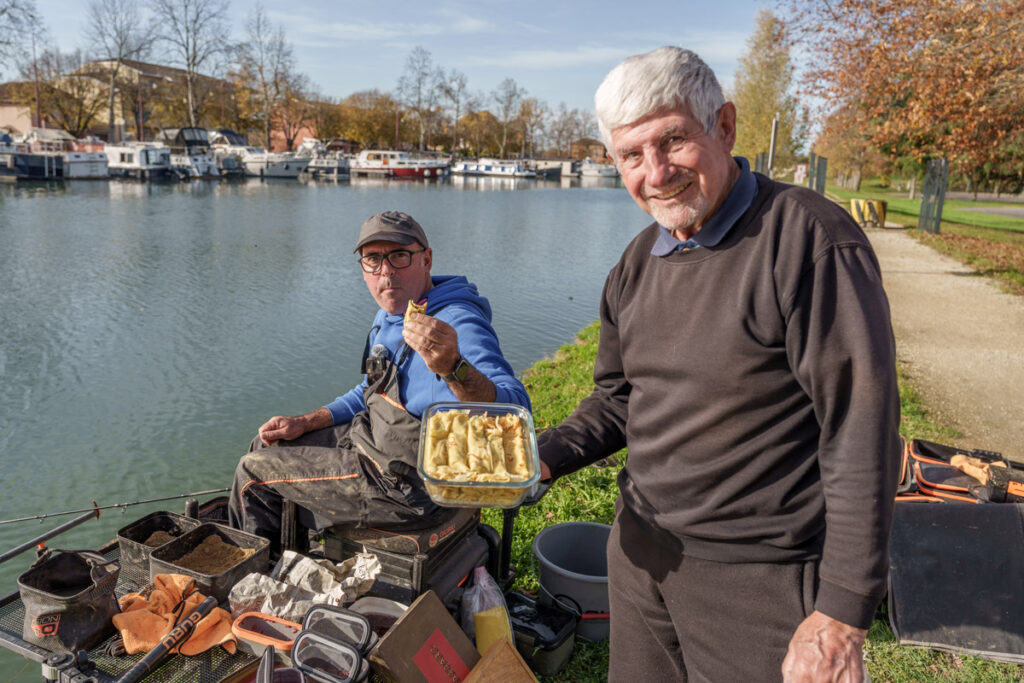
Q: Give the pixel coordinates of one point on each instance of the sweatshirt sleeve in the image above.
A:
(597, 427)
(840, 344)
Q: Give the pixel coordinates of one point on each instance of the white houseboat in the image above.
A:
(493, 167)
(140, 160)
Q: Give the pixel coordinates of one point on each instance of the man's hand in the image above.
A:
(823, 649)
(436, 341)
(283, 427)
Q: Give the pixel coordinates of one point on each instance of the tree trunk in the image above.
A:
(913, 186)
(189, 81)
(110, 109)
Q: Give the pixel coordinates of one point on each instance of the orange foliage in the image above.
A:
(924, 77)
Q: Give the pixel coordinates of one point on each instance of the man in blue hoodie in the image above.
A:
(353, 461)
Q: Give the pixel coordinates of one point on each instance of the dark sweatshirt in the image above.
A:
(754, 383)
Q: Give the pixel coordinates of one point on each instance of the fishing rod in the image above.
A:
(115, 505)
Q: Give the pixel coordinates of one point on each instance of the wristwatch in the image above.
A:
(459, 372)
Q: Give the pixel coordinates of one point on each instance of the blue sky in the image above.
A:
(557, 50)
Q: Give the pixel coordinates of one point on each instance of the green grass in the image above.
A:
(556, 386)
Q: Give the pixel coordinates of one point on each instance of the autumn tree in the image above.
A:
(532, 115)
(66, 90)
(926, 78)
(507, 98)
(481, 131)
(420, 91)
(763, 88)
(454, 90)
(266, 64)
(118, 32)
(368, 117)
(196, 32)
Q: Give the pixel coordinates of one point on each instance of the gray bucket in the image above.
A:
(574, 572)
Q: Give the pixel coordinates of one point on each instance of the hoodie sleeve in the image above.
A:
(478, 344)
(344, 408)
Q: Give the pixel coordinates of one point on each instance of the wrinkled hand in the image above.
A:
(436, 341)
(281, 427)
(823, 649)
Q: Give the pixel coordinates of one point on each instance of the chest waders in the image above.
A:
(362, 473)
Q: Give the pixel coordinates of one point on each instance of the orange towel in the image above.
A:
(143, 622)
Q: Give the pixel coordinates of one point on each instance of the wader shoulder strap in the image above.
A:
(366, 349)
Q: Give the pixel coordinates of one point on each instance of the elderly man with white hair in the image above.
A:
(746, 359)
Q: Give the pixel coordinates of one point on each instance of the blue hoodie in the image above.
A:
(456, 301)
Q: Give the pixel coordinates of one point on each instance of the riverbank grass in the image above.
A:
(556, 385)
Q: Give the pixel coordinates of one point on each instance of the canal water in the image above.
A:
(147, 330)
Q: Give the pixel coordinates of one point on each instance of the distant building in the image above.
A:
(152, 97)
(15, 115)
(588, 147)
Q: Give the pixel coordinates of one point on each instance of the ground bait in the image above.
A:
(158, 538)
(214, 556)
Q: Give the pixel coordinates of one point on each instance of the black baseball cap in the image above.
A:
(391, 226)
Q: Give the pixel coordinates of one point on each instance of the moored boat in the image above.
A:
(190, 151)
(493, 167)
(322, 163)
(589, 167)
(140, 160)
(395, 164)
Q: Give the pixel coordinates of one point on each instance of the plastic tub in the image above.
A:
(381, 612)
(167, 559)
(132, 538)
(449, 487)
(574, 572)
(255, 631)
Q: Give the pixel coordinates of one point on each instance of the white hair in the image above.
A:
(666, 78)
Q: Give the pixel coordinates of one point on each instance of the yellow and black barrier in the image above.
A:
(868, 212)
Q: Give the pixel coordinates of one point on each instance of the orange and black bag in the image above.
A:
(994, 480)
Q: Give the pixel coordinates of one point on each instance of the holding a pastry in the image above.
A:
(353, 461)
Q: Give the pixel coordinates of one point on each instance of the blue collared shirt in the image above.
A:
(714, 231)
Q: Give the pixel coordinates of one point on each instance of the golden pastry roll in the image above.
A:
(458, 448)
(479, 456)
(495, 449)
(414, 307)
(512, 440)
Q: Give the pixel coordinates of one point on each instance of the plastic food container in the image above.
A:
(218, 581)
(381, 612)
(255, 631)
(132, 537)
(451, 488)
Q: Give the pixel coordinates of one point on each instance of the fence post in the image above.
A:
(819, 174)
(933, 194)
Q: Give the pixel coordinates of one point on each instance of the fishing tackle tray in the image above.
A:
(209, 667)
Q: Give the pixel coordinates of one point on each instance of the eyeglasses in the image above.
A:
(399, 258)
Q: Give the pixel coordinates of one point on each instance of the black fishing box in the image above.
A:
(165, 559)
(545, 634)
(438, 558)
(132, 537)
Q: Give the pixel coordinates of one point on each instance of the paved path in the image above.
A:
(961, 339)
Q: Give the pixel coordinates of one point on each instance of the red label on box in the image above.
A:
(438, 661)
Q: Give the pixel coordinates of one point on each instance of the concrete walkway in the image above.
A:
(961, 340)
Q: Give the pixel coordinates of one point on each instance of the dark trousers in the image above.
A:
(327, 478)
(680, 618)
